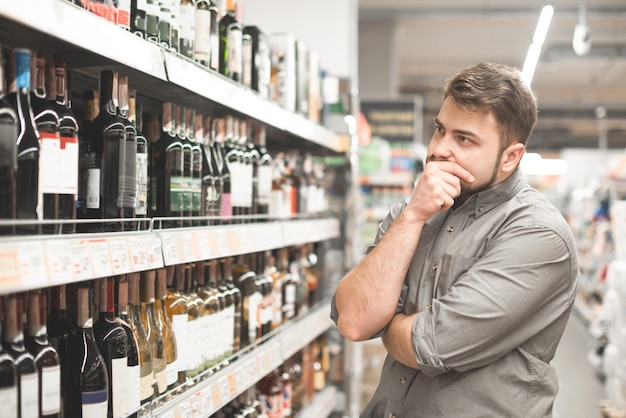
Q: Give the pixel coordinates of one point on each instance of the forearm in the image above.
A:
(398, 340)
(366, 298)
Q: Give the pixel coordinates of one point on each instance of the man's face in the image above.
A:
(470, 139)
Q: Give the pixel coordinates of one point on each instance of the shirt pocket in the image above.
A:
(451, 268)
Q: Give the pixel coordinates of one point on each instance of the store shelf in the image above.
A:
(322, 405)
(32, 262)
(86, 40)
(210, 395)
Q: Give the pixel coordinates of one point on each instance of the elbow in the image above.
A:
(350, 331)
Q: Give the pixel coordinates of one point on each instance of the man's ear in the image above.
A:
(511, 157)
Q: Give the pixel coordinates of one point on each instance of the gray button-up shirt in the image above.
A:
(494, 282)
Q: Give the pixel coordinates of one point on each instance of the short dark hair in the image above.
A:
(497, 88)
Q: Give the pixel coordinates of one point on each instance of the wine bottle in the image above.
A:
(59, 96)
(231, 55)
(196, 317)
(128, 181)
(264, 172)
(165, 23)
(47, 121)
(138, 17)
(224, 177)
(8, 379)
(244, 278)
(237, 298)
(206, 37)
(8, 155)
(207, 185)
(231, 322)
(277, 289)
(13, 341)
(271, 393)
(153, 19)
(212, 181)
(176, 308)
(215, 303)
(167, 171)
(46, 357)
(133, 384)
(196, 165)
(186, 181)
(153, 331)
(261, 66)
(27, 142)
(147, 384)
(187, 28)
(175, 25)
(289, 285)
(88, 381)
(208, 300)
(90, 111)
(233, 157)
(254, 157)
(135, 117)
(113, 343)
(165, 327)
(107, 146)
(59, 330)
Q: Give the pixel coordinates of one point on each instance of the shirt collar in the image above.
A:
(486, 200)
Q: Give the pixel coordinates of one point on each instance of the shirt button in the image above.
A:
(481, 208)
(434, 268)
(392, 415)
(403, 380)
(449, 229)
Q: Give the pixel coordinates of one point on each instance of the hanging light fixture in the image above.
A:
(534, 51)
(581, 41)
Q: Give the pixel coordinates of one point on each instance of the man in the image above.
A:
(471, 280)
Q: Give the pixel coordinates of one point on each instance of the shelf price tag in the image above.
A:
(204, 247)
(207, 401)
(185, 410)
(170, 249)
(59, 260)
(81, 261)
(119, 256)
(155, 252)
(216, 395)
(222, 243)
(32, 267)
(139, 253)
(197, 405)
(100, 257)
(224, 387)
(188, 247)
(9, 264)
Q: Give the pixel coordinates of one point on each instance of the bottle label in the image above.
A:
(93, 188)
(161, 380)
(127, 186)
(51, 390)
(229, 325)
(202, 40)
(254, 315)
(172, 373)
(133, 396)
(22, 68)
(68, 166)
(49, 163)
(177, 193)
(287, 394)
(274, 405)
(95, 404)
(142, 4)
(196, 194)
(29, 395)
(145, 383)
(8, 400)
(179, 324)
(142, 183)
(123, 13)
(187, 21)
(227, 207)
(119, 380)
(246, 79)
(235, 55)
(265, 184)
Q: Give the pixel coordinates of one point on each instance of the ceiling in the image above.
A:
(433, 39)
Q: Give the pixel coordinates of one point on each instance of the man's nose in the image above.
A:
(442, 148)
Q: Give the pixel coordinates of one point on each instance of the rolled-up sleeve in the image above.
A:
(523, 282)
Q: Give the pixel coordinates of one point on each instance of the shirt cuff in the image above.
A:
(423, 336)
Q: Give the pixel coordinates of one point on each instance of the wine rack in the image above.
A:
(88, 44)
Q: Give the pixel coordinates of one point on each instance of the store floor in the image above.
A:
(580, 389)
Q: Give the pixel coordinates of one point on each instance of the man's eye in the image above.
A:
(438, 128)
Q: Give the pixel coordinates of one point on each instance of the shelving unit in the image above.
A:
(88, 44)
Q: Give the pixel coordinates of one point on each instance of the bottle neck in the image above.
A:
(122, 298)
(58, 306)
(148, 279)
(106, 299)
(21, 59)
(60, 76)
(39, 75)
(83, 317)
(37, 315)
(13, 321)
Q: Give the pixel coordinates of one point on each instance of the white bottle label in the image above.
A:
(119, 380)
(8, 400)
(187, 21)
(133, 397)
(29, 395)
(145, 384)
(95, 404)
(68, 168)
(179, 324)
(142, 183)
(51, 390)
(93, 188)
(202, 40)
(49, 156)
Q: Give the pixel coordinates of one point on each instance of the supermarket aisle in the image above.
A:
(580, 390)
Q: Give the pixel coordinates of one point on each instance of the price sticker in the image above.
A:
(185, 410)
(139, 253)
(81, 261)
(222, 243)
(59, 260)
(232, 385)
(9, 264)
(207, 401)
(204, 249)
(216, 395)
(31, 263)
(100, 257)
(155, 252)
(197, 406)
(188, 244)
(170, 249)
(224, 387)
(120, 259)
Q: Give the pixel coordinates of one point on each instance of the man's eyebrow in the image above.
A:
(458, 131)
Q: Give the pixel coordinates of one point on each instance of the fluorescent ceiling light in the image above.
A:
(534, 51)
